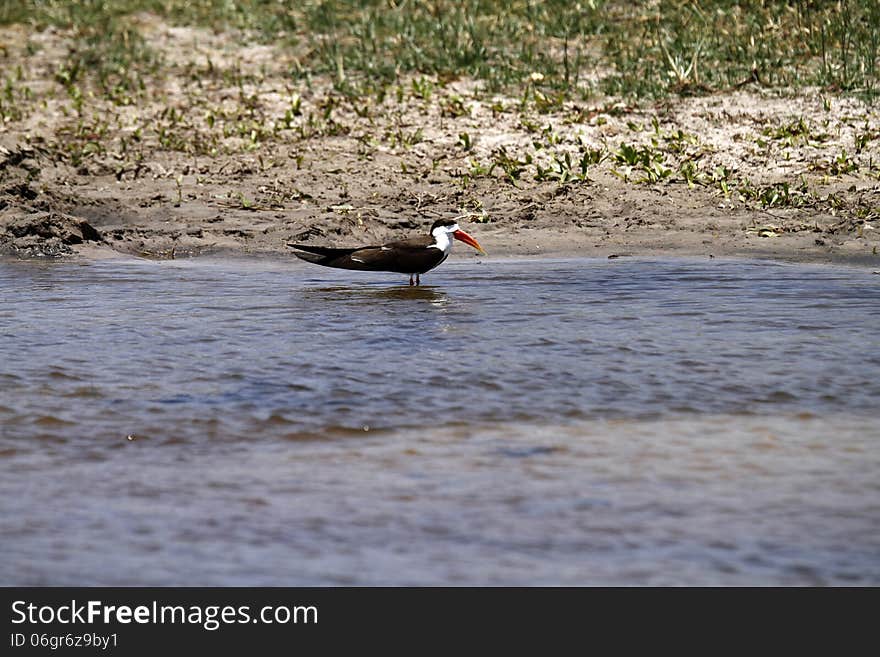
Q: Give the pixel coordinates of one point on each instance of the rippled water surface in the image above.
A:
(512, 422)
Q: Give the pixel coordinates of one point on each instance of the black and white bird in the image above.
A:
(413, 256)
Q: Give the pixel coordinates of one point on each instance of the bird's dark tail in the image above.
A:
(326, 255)
(320, 255)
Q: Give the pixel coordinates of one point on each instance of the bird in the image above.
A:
(413, 256)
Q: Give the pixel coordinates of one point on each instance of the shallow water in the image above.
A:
(621, 421)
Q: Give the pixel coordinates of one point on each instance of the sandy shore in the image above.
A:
(748, 171)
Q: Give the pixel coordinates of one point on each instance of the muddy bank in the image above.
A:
(239, 158)
(82, 215)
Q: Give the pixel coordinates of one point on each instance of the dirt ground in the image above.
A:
(230, 153)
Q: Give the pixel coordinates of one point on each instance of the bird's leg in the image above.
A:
(411, 280)
(418, 280)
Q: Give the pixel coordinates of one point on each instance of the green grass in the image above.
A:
(643, 50)
(693, 47)
(106, 47)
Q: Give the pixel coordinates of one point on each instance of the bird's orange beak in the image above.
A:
(470, 241)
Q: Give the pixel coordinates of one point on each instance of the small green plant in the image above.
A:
(511, 166)
(591, 155)
(863, 139)
(842, 164)
(721, 177)
(789, 133)
(648, 160)
(244, 202)
(14, 100)
(565, 169)
(478, 170)
(655, 172)
(422, 88)
(627, 154)
(679, 142)
(547, 103)
(691, 174)
(777, 195)
(682, 68)
(398, 136)
(453, 107)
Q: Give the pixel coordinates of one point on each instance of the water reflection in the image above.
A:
(435, 296)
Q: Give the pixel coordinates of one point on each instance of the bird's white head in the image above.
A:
(443, 228)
